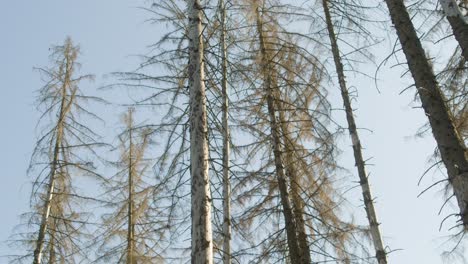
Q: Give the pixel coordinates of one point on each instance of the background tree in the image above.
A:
(226, 137)
(61, 155)
(135, 226)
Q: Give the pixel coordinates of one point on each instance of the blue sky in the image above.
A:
(111, 31)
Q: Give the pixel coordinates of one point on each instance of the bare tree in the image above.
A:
(60, 157)
(226, 139)
(202, 244)
(186, 93)
(133, 229)
(290, 223)
(357, 148)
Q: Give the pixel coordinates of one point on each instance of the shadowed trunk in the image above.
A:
(451, 147)
(290, 224)
(458, 22)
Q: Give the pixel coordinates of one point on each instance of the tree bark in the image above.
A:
(290, 224)
(202, 244)
(381, 255)
(52, 255)
(458, 22)
(226, 145)
(131, 223)
(451, 147)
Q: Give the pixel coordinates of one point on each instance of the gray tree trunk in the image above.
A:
(52, 255)
(202, 243)
(381, 255)
(451, 147)
(226, 145)
(131, 224)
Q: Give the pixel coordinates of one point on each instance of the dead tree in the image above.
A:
(357, 148)
(61, 156)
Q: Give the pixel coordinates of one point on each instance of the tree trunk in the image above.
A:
(290, 224)
(54, 165)
(458, 22)
(131, 223)
(381, 255)
(52, 255)
(202, 244)
(298, 203)
(451, 147)
(226, 146)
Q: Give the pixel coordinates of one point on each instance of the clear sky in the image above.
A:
(110, 31)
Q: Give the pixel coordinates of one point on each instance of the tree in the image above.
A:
(357, 148)
(202, 244)
(187, 91)
(133, 229)
(451, 146)
(226, 140)
(60, 157)
(266, 68)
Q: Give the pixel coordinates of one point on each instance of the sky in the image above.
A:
(111, 31)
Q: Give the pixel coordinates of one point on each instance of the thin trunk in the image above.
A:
(226, 146)
(298, 203)
(50, 191)
(131, 224)
(290, 224)
(381, 255)
(451, 147)
(202, 244)
(458, 22)
(52, 255)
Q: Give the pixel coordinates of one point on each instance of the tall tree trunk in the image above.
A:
(131, 222)
(226, 146)
(381, 255)
(202, 244)
(298, 203)
(54, 165)
(451, 147)
(458, 22)
(290, 224)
